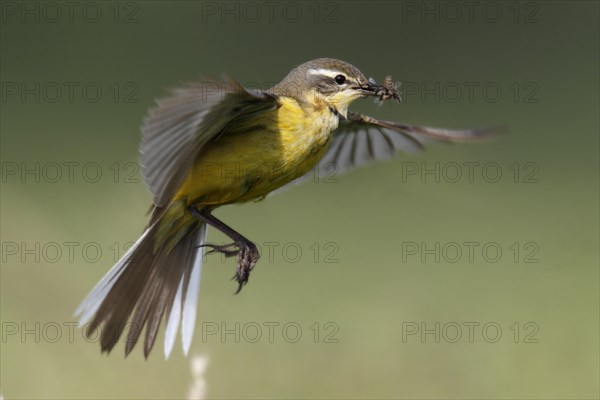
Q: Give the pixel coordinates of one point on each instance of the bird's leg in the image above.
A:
(246, 251)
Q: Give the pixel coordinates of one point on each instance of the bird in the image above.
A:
(213, 143)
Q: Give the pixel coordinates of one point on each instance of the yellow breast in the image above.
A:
(252, 160)
(305, 132)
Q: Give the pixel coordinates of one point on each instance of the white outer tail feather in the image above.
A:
(188, 322)
(88, 307)
(173, 322)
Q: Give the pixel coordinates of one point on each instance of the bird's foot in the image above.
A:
(247, 256)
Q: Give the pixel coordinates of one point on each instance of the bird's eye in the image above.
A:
(340, 79)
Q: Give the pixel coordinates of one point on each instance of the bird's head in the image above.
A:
(327, 81)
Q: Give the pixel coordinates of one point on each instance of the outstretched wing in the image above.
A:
(361, 139)
(175, 131)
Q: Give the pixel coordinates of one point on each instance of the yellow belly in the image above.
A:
(250, 161)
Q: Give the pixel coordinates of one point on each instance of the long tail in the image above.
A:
(158, 277)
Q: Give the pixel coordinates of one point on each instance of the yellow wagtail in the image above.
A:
(191, 143)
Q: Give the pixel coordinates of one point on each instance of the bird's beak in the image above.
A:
(370, 88)
(384, 92)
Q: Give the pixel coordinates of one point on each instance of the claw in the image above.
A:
(247, 254)
(247, 257)
(242, 280)
(239, 289)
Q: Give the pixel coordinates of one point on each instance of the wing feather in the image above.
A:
(360, 140)
(174, 132)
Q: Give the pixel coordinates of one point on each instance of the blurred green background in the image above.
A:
(532, 66)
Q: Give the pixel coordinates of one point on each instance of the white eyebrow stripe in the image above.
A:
(330, 73)
(326, 72)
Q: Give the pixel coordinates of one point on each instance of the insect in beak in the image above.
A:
(388, 90)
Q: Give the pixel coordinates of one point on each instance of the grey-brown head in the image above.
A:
(334, 82)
